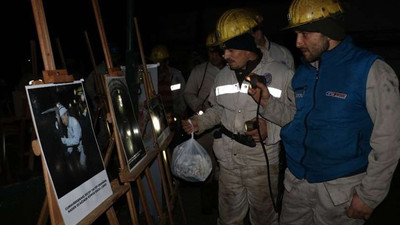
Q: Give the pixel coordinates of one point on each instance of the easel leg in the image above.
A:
(44, 212)
(144, 201)
(153, 191)
(112, 216)
(165, 189)
(132, 209)
(167, 158)
(109, 149)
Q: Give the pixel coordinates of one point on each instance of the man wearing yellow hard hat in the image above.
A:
(248, 156)
(171, 84)
(342, 138)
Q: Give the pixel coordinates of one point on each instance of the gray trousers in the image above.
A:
(243, 190)
(206, 140)
(318, 203)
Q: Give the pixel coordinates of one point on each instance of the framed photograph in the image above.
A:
(63, 126)
(159, 119)
(124, 115)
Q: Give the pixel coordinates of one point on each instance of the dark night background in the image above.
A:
(181, 26)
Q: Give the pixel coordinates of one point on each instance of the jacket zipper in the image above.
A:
(306, 117)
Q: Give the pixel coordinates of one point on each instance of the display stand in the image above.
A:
(170, 186)
(51, 75)
(143, 166)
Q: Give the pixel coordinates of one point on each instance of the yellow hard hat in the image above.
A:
(306, 11)
(159, 53)
(233, 23)
(255, 14)
(211, 40)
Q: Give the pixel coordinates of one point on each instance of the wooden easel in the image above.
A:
(143, 167)
(52, 75)
(100, 80)
(170, 186)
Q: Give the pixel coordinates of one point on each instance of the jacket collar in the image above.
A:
(338, 52)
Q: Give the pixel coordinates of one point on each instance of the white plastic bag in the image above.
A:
(190, 161)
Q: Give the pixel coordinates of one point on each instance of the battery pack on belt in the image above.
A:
(241, 138)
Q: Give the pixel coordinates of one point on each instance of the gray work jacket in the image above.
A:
(233, 106)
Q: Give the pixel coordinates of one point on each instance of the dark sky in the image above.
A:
(182, 26)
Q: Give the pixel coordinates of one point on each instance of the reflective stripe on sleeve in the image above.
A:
(275, 92)
(175, 87)
(245, 88)
(234, 88)
(227, 89)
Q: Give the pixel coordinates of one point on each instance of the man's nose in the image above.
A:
(299, 41)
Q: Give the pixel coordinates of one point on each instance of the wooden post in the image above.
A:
(99, 21)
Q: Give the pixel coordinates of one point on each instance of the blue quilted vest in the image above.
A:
(329, 135)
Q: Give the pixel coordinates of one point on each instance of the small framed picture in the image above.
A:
(124, 116)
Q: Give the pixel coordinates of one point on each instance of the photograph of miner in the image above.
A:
(65, 133)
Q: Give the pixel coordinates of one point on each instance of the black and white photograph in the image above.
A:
(65, 133)
(128, 126)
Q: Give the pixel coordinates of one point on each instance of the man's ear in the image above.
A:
(332, 43)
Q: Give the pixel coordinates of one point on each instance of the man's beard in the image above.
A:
(316, 54)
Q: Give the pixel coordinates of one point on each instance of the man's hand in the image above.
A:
(256, 92)
(190, 128)
(263, 130)
(358, 209)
